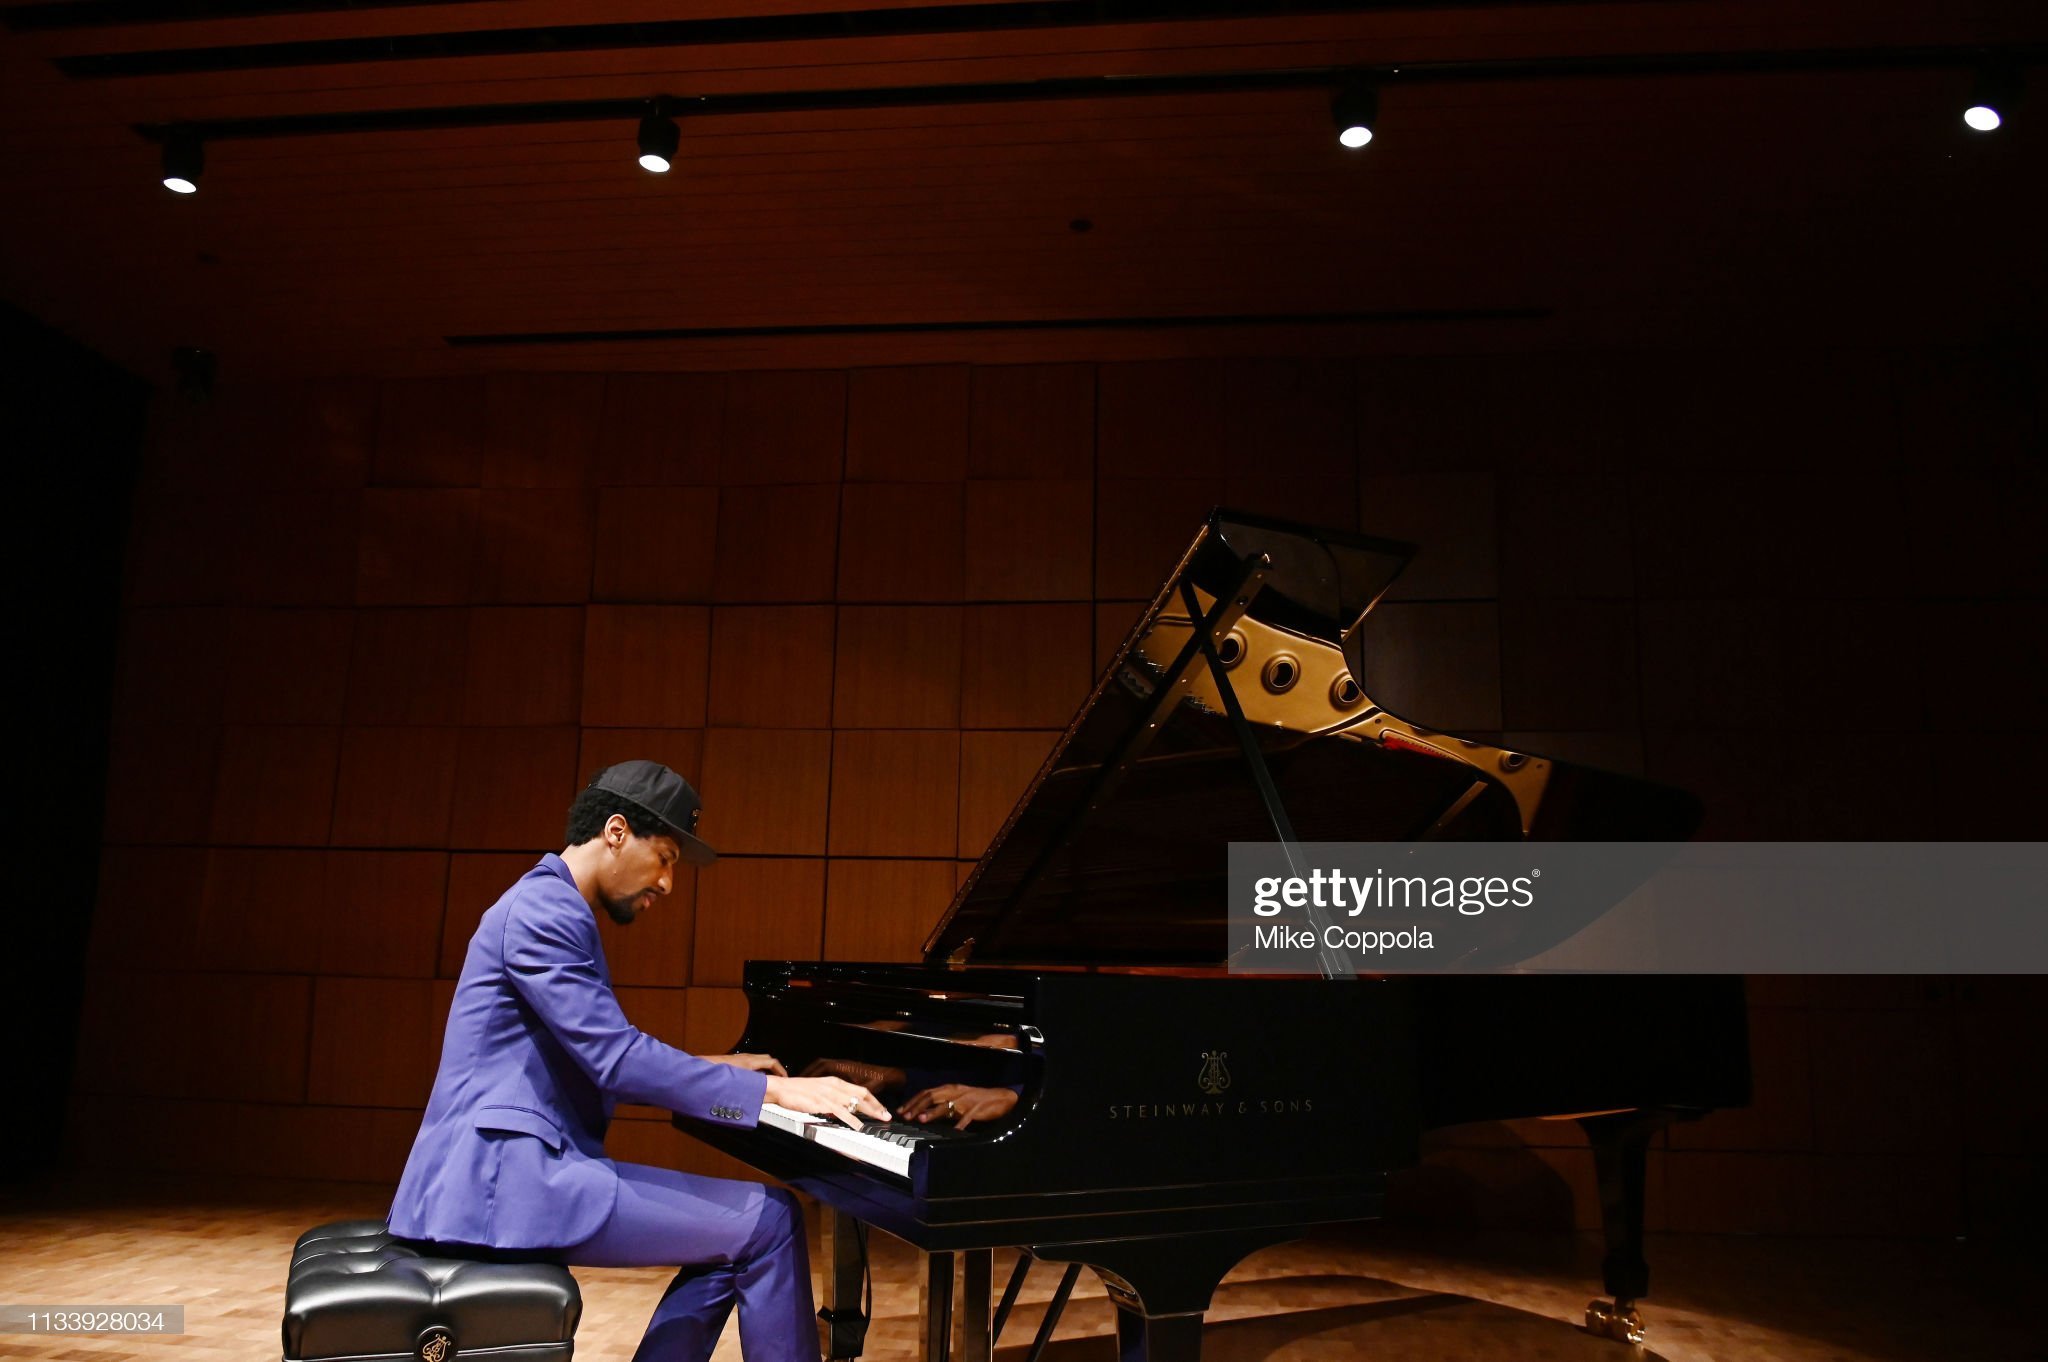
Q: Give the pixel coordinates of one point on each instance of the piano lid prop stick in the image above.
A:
(1333, 964)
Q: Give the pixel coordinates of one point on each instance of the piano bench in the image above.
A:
(355, 1293)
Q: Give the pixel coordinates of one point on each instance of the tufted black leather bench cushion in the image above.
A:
(356, 1293)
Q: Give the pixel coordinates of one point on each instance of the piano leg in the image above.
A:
(935, 1308)
(1621, 1145)
(976, 1337)
(1162, 1287)
(842, 1323)
(1148, 1338)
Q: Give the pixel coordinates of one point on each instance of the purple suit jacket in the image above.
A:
(511, 1150)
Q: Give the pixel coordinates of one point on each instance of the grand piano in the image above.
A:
(1171, 1117)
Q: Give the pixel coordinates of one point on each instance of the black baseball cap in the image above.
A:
(664, 794)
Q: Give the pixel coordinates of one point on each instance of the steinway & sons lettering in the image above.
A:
(1250, 1106)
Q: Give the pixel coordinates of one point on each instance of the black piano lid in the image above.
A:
(1142, 879)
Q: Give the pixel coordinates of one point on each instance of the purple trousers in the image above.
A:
(735, 1241)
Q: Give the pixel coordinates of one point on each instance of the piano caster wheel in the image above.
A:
(1607, 1319)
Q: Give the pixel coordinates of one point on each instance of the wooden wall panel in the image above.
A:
(330, 436)
(533, 547)
(525, 666)
(514, 786)
(475, 882)
(182, 550)
(1569, 665)
(777, 543)
(771, 666)
(540, 430)
(172, 666)
(894, 792)
(1956, 529)
(1032, 421)
(679, 749)
(295, 548)
(1995, 1041)
(396, 788)
(1290, 417)
(644, 666)
(1713, 664)
(715, 1019)
(376, 1042)
(995, 768)
(418, 546)
(244, 1036)
(756, 909)
(661, 1013)
(765, 790)
(408, 667)
(275, 785)
(1780, 1113)
(1562, 536)
(271, 435)
(146, 913)
(287, 666)
(1030, 540)
(654, 949)
(123, 1046)
(897, 667)
(907, 424)
(1025, 666)
(784, 427)
(656, 544)
(1161, 419)
(1310, 501)
(1696, 536)
(1836, 519)
(260, 910)
(1143, 526)
(239, 1036)
(1884, 1081)
(430, 432)
(1436, 664)
(883, 910)
(380, 912)
(1501, 413)
(1450, 518)
(1114, 621)
(661, 430)
(160, 782)
(900, 541)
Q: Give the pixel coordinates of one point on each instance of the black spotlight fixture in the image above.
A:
(184, 158)
(1356, 111)
(659, 138)
(1992, 97)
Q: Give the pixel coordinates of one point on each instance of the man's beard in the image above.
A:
(620, 911)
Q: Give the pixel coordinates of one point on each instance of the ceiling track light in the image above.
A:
(1992, 97)
(184, 159)
(659, 138)
(1356, 111)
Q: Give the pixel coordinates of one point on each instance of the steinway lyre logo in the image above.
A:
(1215, 1075)
(436, 1345)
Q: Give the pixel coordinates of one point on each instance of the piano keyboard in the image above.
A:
(840, 1138)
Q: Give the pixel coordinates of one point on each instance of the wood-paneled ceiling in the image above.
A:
(1548, 204)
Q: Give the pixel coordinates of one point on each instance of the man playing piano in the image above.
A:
(509, 1161)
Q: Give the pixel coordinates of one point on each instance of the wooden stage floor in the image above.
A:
(1365, 1293)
